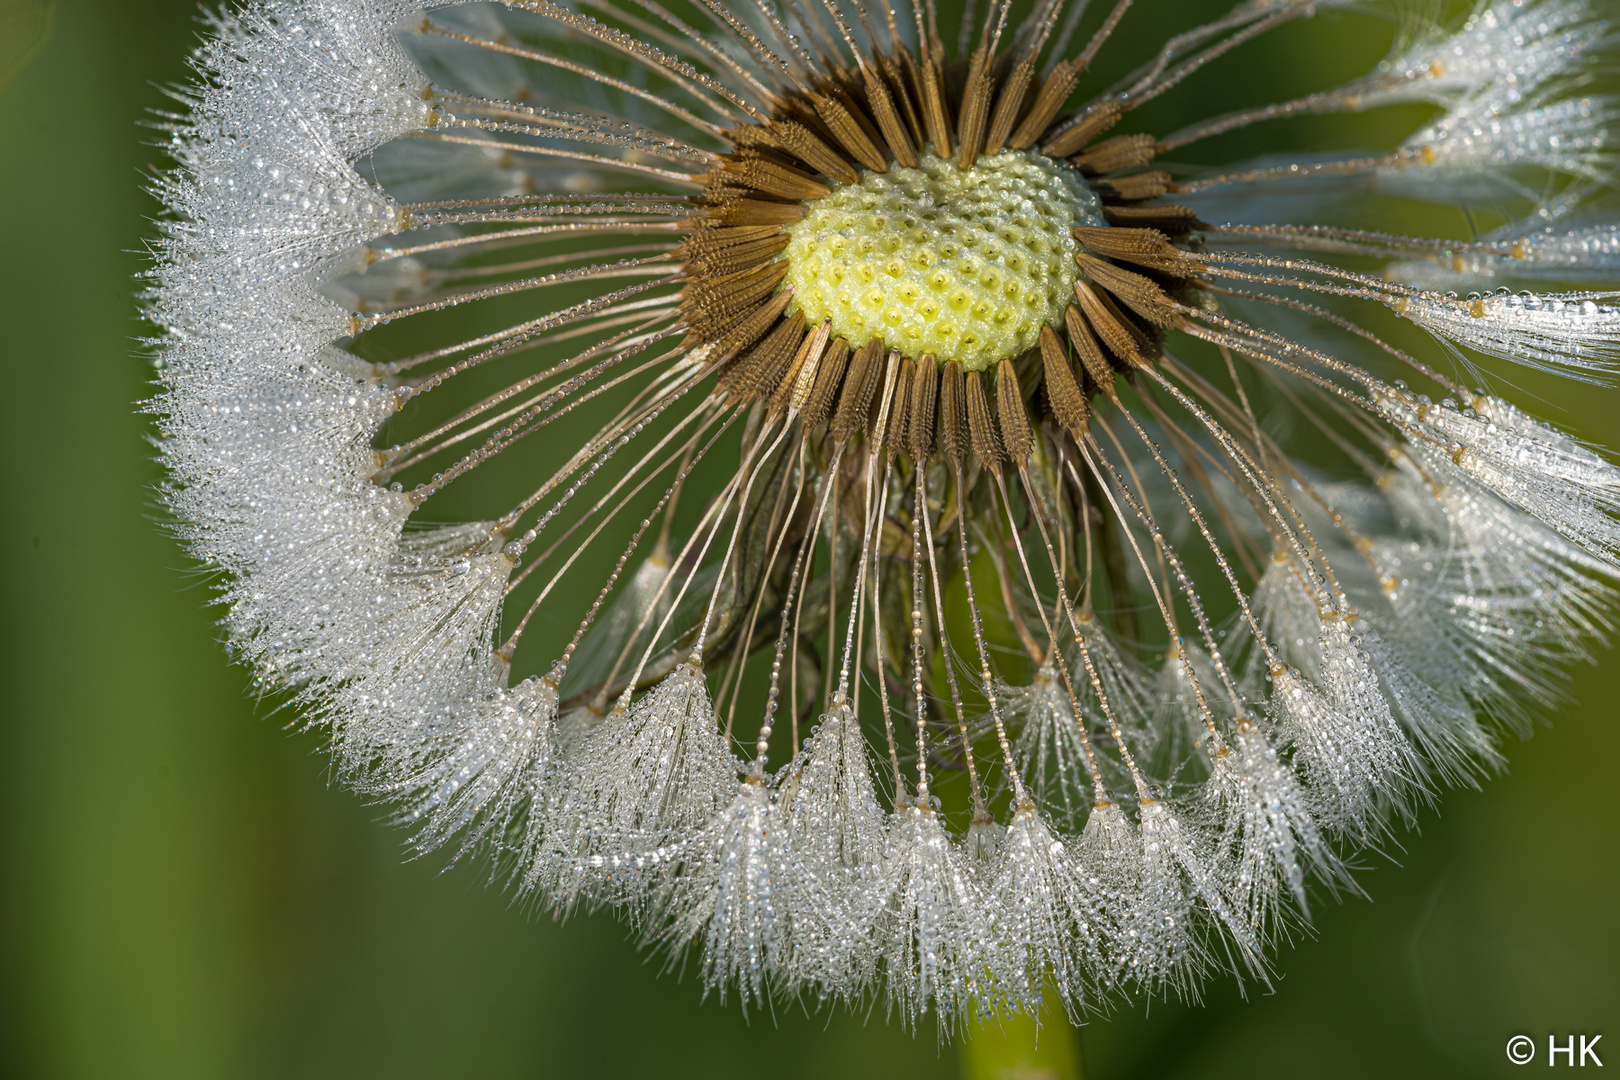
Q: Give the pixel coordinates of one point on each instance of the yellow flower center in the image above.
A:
(966, 264)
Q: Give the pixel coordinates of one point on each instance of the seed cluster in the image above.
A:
(965, 264)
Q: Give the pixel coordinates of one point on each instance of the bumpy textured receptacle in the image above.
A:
(966, 264)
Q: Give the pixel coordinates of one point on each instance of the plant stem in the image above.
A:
(1019, 1048)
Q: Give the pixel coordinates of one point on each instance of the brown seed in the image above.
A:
(894, 435)
(1063, 393)
(975, 110)
(924, 391)
(860, 386)
(1093, 122)
(1010, 104)
(953, 422)
(800, 379)
(757, 212)
(1148, 185)
(1084, 340)
(888, 120)
(713, 305)
(935, 114)
(772, 372)
(745, 378)
(900, 68)
(1113, 326)
(1120, 152)
(1144, 247)
(736, 333)
(721, 237)
(1140, 294)
(722, 288)
(829, 377)
(805, 144)
(1173, 220)
(1015, 429)
(982, 426)
(775, 179)
(1054, 92)
(850, 132)
(702, 255)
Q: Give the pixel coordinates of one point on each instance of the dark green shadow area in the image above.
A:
(184, 896)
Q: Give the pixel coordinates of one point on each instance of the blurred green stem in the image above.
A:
(1016, 1049)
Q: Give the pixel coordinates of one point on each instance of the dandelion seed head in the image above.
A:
(821, 494)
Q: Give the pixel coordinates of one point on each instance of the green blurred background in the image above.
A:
(184, 895)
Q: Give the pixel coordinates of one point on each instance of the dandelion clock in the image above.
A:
(821, 480)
